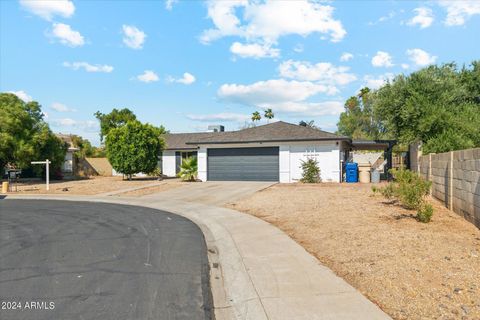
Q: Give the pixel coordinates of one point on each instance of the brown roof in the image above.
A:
(177, 141)
(273, 132)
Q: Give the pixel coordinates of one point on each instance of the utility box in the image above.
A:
(351, 172)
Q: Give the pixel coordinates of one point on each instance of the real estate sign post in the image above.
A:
(47, 173)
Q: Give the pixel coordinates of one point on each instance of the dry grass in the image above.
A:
(91, 186)
(410, 269)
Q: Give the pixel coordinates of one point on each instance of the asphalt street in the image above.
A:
(82, 260)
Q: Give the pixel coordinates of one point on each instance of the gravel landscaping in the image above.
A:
(410, 269)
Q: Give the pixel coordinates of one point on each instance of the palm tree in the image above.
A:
(256, 117)
(269, 114)
(188, 169)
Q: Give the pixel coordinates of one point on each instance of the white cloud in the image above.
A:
(224, 116)
(458, 12)
(22, 95)
(169, 4)
(67, 36)
(346, 56)
(60, 107)
(314, 109)
(133, 37)
(263, 93)
(323, 72)
(268, 21)
(148, 76)
(375, 82)
(47, 9)
(86, 125)
(298, 48)
(405, 66)
(390, 16)
(420, 57)
(88, 67)
(382, 59)
(187, 79)
(423, 18)
(254, 50)
(283, 96)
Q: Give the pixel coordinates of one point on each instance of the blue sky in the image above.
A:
(188, 64)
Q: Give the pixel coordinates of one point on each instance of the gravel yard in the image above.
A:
(93, 185)
(410, 269)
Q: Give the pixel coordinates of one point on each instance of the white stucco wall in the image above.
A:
(168, 163)
(326, 154)
(202, 164)
(290, 155)
(68, 162)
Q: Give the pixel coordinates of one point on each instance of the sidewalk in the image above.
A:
(257, 271)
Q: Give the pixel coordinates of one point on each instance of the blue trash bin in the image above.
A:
(351, 172)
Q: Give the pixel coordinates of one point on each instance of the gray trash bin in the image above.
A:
(375, 176)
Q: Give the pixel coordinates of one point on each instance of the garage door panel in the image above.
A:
(243, 164)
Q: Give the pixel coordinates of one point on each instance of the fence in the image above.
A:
(93, 167)
(455, 180)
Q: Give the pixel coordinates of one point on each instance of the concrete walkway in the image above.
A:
(257, 271)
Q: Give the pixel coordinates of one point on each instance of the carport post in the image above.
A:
(47, 163)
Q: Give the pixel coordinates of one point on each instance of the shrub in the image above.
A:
(155, 172)
(310, 171)
(425, 212)
(188, 169)
(410, 190)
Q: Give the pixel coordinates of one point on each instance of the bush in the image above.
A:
(188, 169)
(425, 212)
(310, 171)
(410, 190)
(155, 173)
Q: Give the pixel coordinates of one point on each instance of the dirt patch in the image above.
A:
(91, 186)
(410, 269)
(150, 190)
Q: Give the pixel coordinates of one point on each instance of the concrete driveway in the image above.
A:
(84, 260)
(211, 193)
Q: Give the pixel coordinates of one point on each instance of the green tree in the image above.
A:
(439, 105)
(256, 117)
(86, 148)
(359, 121)
(25, 136)
(134, 147)
(116, 118)
(269, 114)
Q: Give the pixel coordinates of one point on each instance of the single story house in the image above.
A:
(271, 152)
(68, 163)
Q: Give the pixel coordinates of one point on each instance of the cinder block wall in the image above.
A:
(455, 180)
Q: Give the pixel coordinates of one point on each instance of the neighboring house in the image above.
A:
(271, 152)
(68, 163)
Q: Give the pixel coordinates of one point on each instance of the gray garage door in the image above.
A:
(243, 164)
